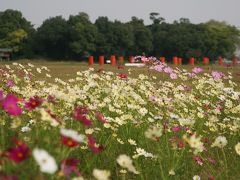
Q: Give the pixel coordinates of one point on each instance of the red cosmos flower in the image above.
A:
(9, 104)
(18, 153)
(93, 146)
(101, 117)
(122, 76)
(80, 115)
(69, 166)
(67, 141)
(33, 102)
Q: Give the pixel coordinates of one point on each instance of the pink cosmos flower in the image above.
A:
(10, 83)
(198, 159)
(217, 75)
(10, 105)
(168, 70)
(33, 102)
(69, 166)
(197, 70)
(101, 117)
(176, 129)
(80, 115)
(93, 146)
(212, 161)
(173, 76)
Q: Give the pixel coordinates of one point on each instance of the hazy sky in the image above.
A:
(196, 10)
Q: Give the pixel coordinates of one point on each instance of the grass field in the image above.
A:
(106, 123)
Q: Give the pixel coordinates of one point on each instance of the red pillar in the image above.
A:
(113, 60)
(206, 61)
(131, 59)
(101, 60)
(180, 61)
(90, 60)
(192, 61)
(220, 61)
(175, 60)
(162, 59)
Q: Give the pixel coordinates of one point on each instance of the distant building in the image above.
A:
(5, 53)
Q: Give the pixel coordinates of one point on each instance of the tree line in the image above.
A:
(77, 37)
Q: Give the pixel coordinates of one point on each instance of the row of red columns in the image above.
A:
(175, 60)
(112, 59)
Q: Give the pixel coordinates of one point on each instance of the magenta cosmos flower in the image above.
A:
(18, 153)
(33, 102)
(93, 145)
(10, 105)
(80, 114)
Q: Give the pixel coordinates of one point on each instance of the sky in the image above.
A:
(36, 11)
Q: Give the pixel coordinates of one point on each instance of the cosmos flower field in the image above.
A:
(105, 125)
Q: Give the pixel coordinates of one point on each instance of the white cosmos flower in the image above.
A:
(46, 162)
(126, 162)
(237, 148)
(196, 177)
(101, 174)
(220, 142)
(73, 134)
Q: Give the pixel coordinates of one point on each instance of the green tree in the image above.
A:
(142, 37)
(15, 32)
(51, 39)
(82, 36)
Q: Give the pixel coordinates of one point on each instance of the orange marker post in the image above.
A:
(90, 60)
(175, 60)
(192, 61)
(113, 60)
(206, 61)
(101, 60)
(220, 61)
(180, 61)
(162, 59)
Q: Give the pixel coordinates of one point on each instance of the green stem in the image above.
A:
(225, 163)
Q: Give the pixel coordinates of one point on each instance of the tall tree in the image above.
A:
(52, 38)
(82, 34)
